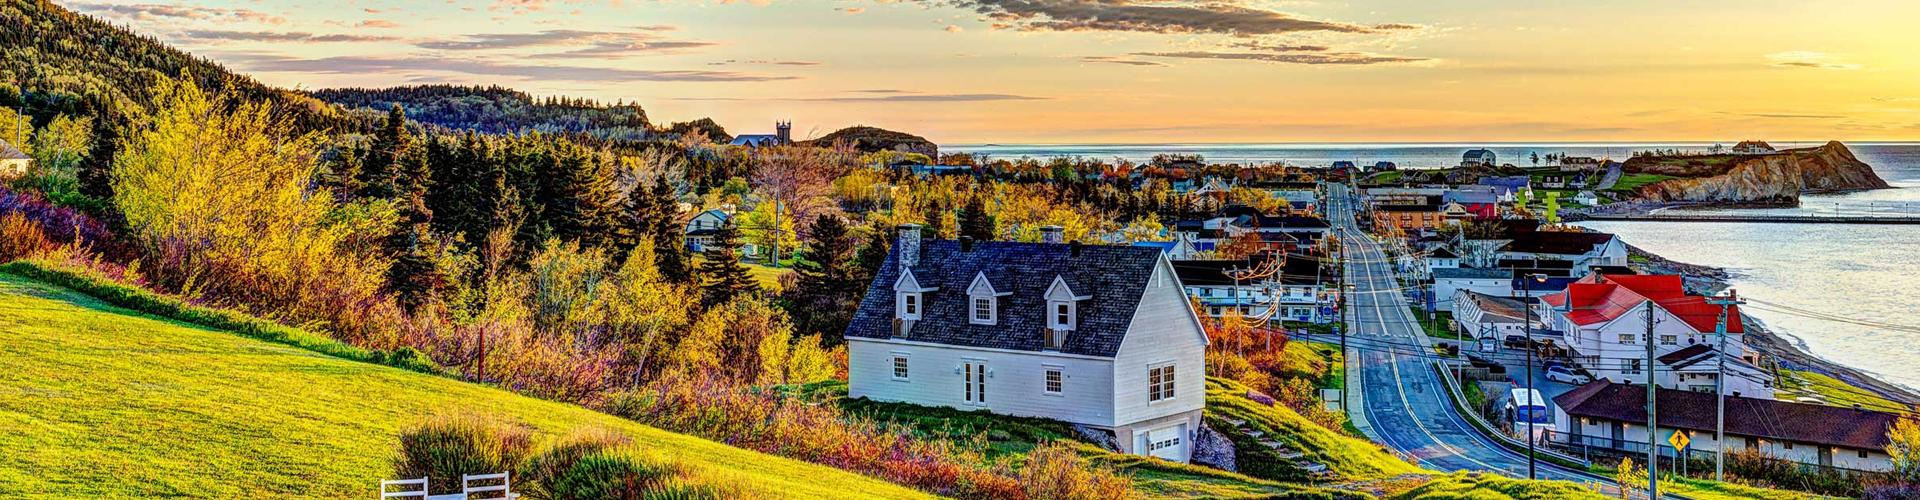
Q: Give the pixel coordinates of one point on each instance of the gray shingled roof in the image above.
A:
(8, 152)
(1114, 276)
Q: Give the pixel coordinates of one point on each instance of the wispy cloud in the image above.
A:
(1120, 60)
(851, 10)
(764, 62)
(1338, 58)
(580, 43)
(279, 36)
(885, 96)
(1280, 47)
(414, 66)
(1231, 17)
(154, 11)
(377, 23)
(1789, 116)
(1806, 59)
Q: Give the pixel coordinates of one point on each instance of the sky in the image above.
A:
(1120, 71)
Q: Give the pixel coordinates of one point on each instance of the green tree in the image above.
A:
(669, 236)
(974, 221)
(827, 288)
(725, 277)
(381, 171)
(96, 177)
(636, 224)
(1903, 446)
(580, 199)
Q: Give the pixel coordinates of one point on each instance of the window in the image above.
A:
(1669, 339)
(983, 310)
(899, 367)
(1633, 366)
(1786, 445)
(1153, 445)
(974, 380)
(1628, 338)
(1160, 383)
(1056, 379)
(1863, 453)
(909, 305)
(1062, 317)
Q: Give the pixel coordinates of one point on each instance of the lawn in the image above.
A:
(1478, 486)
(1797, 383)
(1347, 458)
(768, 277)
(103, 402)
(1632, 182)
(1437, 327)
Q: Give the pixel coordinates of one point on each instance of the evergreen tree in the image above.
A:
(873, 255)
(669, 237)
(974, 221)
(726, 278)
(828, 288)
(637, 222)
(936, 223)
(580, 200)
(344, 174)
(96, 175)
(380, 172)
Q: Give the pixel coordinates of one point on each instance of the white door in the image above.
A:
(974, 379)
(1167, 442)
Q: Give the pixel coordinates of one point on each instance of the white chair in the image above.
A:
(409, 488)
(480, 486)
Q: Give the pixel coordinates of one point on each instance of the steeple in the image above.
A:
(784, 131)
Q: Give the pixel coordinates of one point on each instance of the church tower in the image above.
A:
(784, 131)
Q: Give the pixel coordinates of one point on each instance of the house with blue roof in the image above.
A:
(1098, 336)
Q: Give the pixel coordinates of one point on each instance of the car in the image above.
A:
(1564, 375)
(1517, 342)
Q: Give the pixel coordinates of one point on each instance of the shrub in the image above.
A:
(20, 238)
(1055, 472)
(608, 474)
(537, 476)
(444, 448)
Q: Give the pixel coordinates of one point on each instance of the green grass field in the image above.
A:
(102, 402)
(1632, 182)
(1348, 458)
(1797, 383)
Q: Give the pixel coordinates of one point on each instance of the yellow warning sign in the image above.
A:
(1679, 440)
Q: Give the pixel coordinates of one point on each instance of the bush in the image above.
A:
(1055, 472)
(444, 448)
(611, 475)
(539, 474)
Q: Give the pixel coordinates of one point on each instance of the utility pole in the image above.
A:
(776, 229)
(1720, 384)
(1653, 421)
(1526, 321)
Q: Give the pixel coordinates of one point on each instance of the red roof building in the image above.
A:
(1600, 298)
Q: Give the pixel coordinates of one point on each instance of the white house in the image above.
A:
(1604, 415)
(1292, 288)
(1094, 335)
(1483, 316)
(1753, 148)
(1449, 281)
(1479, 157)
(1603, 319)
(13, 163)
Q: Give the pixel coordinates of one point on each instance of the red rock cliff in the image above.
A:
(1779, 177)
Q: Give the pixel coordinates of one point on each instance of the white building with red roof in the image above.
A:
(1603, 319)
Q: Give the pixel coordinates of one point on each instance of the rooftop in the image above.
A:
(8, 152)
(1762, 418)
(1599, 298)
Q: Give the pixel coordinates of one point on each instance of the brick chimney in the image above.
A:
(1053, 234)
(909, 245)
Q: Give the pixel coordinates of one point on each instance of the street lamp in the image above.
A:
(1526, 321)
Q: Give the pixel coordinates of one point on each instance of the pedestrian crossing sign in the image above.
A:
(1679, 440)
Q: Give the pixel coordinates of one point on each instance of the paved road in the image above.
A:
(1399, 401)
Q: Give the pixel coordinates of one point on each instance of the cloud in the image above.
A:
(588, 44)
(153, 11)
(1268, 47)
(1341, 58)
(377, 23)
(1806, 59)
(889, 96)
(764, 62)
(851, 10)
(1229, 17)
(271, 36)
(1789, 116)
(353, 65)
(952, 28)
(1118, 60)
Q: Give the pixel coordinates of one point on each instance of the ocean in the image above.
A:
(1841, 291)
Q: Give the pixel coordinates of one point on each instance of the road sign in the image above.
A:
(1679, 440)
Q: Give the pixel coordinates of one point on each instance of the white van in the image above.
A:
(1530, 413)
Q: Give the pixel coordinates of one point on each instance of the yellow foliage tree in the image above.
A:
(1903, 445)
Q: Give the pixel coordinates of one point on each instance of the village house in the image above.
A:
(1293, 287)
(704, 225)
(1508, 188)
(1482, 316)
(1603, 319)
(1753, 148)
(1579, 163)
(13, 163)
(1098, 336)
(782, 136)
(1608, 416)
(1479, 158)
(1448, 282)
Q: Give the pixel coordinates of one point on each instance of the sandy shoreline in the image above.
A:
(1791, 353)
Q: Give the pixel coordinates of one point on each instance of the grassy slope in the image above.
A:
(102, 402)
(1350, 458)
(1476, 486)
(1796, 383)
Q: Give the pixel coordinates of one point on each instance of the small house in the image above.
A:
(13, 163)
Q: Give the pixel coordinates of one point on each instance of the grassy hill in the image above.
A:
(1248, 423)
(103, 402)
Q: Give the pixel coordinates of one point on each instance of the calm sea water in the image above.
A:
(1807, 272)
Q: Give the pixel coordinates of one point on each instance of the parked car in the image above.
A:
(1558, 373)
(1492, 367)
(1517, 342)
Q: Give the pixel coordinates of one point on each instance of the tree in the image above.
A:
(96, 178)
(974, 221)
(827, 288)
(635, 225)
(380, 173)
(726, 279)
(873, 254)
(1535, 157)
(669, 236)
(62, 145)
(579, 196)
(1903, 446)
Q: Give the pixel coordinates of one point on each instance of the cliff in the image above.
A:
(1774, 178)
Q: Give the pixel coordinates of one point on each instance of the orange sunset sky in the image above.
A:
(1114, 71)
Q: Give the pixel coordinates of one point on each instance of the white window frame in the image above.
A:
(1056, 309)
(911, 305)
(1162, 386)
(910, 300)
(901, 367)
(1053, 380)
(981, 292)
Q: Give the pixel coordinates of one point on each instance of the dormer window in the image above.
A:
(910, 300)
(983, 303)
(1063, 313)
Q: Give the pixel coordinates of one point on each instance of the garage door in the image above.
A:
(1167, 442)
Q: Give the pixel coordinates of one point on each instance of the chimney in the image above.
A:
(909, 245)
(966, 244)
(1076, 248)
(1053, 234)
